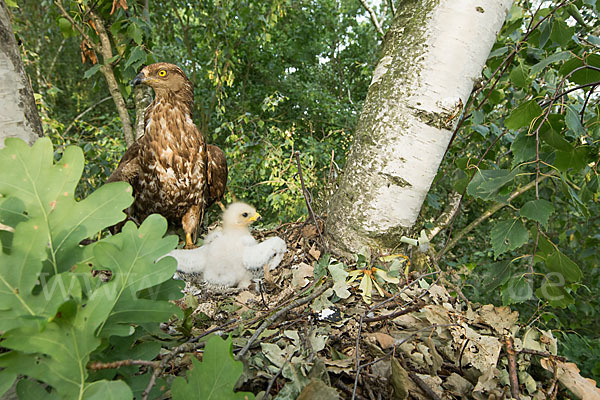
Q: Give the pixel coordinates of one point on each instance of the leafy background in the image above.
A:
(276, 77)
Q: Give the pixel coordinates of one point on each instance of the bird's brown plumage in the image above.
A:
(170, 167)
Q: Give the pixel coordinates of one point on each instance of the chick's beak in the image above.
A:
(255, 217)
(139, 78)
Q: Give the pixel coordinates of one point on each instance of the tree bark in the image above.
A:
(432, 54)
(18, 112)
(143, 97)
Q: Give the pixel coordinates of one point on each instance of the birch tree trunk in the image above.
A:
(18, 112)
(432, 55)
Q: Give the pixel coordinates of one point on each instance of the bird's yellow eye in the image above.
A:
(162, 72)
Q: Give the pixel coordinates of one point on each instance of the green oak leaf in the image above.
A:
(214, 378)
(130, 256)
(58, 354)
(46, 190)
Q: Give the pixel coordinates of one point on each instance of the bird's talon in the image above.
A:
(189, 244)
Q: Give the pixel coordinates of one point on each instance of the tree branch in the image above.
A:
(104, 48)
(446, 216)
(142, 96)
(373, 17)
(109, 75)
(488, 213)
(87, 110)
(274, 316)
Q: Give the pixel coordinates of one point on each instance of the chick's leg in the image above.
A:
(190, 222)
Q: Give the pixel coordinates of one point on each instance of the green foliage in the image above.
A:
(214, 377)
(56, 317)
(530, 140)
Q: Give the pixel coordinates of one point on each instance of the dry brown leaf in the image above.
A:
(314, 252)
(309, 232)
(301, 275)
(318, 390)
(501, 319)
(339, 366)
(385, 341)
(118, 4)
(87, 52)
(569, 376)
(267, 274)
(245, 297)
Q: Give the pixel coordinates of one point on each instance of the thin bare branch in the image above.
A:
(274, 316)
(87, 110)
(373, 17)
(488, 213)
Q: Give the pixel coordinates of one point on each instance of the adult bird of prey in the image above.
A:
(230, 255)
(172, 170)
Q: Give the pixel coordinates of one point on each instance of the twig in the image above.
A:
(307, 200)
(553, 389)
(558, 96)
(348, 389)
(97, 365)
(587, 98)
(187, 346)
(542, 354)
(272, 381)
(398, 313)
(392, 7)
(512, 367)
(391, 352)
(446, 216)
(65, 14)
(420, 383)
(364, 318)
(274, 316)
(373, 17)
(87, 110)
(488, 213)
(376, 306)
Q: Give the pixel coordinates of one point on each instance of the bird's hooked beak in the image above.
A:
(255, 217)
(139, 78)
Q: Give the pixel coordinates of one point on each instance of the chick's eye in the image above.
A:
(245, 215)
(162, 72)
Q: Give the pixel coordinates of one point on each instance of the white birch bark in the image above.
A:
(18, 112)
(432, 55)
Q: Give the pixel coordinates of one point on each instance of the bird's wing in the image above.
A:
(269, 252)
(216, 174)
(128, 168)
(191, 261)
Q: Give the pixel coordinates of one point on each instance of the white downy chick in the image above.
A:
(221, 258)
(225, 249)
